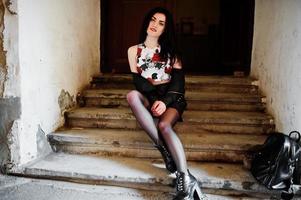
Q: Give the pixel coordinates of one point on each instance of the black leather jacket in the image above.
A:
(168, 93)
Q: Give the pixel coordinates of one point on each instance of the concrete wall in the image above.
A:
(59, 52)
(276, 59)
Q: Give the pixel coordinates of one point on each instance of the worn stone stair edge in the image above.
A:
(213, 101)
(189, 116)
(63, 191)
(184, 127)
(234, 122)
(118, 93)
(188, 79)
(147, 191)
(43, 189)
(212, 193)
(202, 156)
(189, 101)
(227, 156)
(138, 139)
(192, 105)
(144, 146)
(143, 149)
(152, 183)
(204, 106)
(193, 88)
(210, 101)
(53, 167)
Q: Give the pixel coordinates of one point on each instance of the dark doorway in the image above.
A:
(214, 36)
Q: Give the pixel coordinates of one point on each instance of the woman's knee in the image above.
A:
(132, 96)
(164, 128)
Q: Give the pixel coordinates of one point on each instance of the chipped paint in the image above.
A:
(248, 185)
(10, 100)
(3, 66)
(8, 4)
(14, 145)
(11, 47)
(66, 101)
(9, 112)
(43, 147)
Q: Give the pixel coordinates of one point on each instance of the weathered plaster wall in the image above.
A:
(10, 106)
(276, 59)
(11, 86)
(9, 112)
(59, 52)
(3, 66)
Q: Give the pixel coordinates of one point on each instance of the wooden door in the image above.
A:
(226, 48)
(236, 35)
(121, 22)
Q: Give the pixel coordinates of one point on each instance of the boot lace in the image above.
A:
(180, 183)
(166, 152)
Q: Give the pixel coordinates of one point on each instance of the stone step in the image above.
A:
(194, 121)
(144, 174)
(199, 83)
(195, 100)
(205, 146)
(38, 189)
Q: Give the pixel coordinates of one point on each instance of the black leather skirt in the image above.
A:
(180, 104)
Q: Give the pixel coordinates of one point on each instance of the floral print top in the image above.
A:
(151, 66)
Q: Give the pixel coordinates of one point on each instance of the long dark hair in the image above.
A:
(167, 39)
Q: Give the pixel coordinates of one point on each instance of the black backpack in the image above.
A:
(276, 164)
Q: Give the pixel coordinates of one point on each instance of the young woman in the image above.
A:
(159, 81)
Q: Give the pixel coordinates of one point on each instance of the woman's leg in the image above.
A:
(138, 104)
(187, 185)
(172, 141)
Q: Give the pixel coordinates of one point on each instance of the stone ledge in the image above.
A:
(208, 146)
(138, 173)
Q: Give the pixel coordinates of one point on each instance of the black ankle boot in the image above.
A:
(188, 188)
(169, 162)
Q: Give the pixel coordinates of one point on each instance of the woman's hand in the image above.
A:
(158, 108)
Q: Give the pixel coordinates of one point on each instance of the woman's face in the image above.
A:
(156, 25)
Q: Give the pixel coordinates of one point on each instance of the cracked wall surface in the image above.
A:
(3, 67)
(9, 112)
(43, 147)
(276, 59)
(63, 37)
(66, 101)
(39, 83)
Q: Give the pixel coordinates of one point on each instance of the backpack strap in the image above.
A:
(290, 192)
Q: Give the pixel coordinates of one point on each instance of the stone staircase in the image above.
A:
(101, 142)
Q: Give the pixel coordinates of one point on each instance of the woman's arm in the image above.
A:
(132, 53)
(177, 64)
(176, 88)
